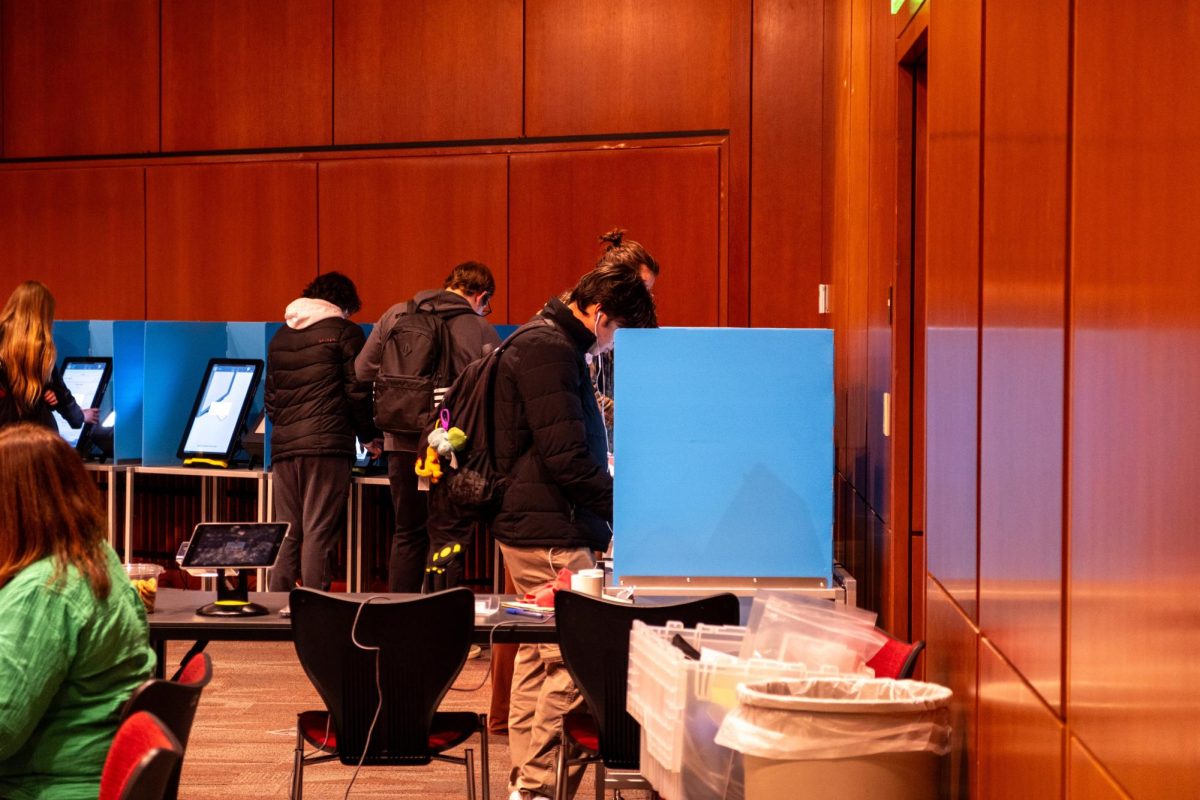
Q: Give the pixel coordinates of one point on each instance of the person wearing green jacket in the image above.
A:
(74, 640)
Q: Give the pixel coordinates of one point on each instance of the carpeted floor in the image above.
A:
(244, 735)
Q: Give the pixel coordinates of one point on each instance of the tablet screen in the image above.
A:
(235, 545)
(86, 379)
(220, 408)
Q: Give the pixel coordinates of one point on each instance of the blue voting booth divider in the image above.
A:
(124, 342)
(724, 453)
(176, 356)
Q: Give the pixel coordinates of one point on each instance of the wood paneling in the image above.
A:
(1024, 285)
(247, 74)
(853, 310)
(427, 70)
(1087, 780)
(1134, 508)
(79, 78)
(952, 659)
(399, 225)
(1020, 740)
(834, 193)
(666, 198)
(79, 231)
(785, 197)
(625, 66)
(229, 242)
(952, 298)
(882, 263)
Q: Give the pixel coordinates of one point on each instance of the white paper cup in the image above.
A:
(588, 581)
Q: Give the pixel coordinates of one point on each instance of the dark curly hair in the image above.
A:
(336, 288)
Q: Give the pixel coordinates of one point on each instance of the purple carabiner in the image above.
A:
(445, 419)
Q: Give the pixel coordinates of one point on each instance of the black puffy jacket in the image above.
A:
(315, 404)
(550, 440)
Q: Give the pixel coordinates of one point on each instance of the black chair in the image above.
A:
(594, 637)
(422, 645)
(173, 702)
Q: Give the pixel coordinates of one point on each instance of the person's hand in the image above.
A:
(375, 448)
(91, 415)
(50, 397)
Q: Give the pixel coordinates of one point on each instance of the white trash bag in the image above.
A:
(837, 717)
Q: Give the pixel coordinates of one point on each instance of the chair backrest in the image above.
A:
(594, 637)
(173, 702)
(896, 659)
(423, 645)
(196, 672)
(142, 761)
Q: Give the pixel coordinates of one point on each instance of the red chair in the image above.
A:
(143, 760)
(896, 659)
(174, 702)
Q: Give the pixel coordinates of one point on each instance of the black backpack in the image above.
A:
(414, 369)
(471, 492)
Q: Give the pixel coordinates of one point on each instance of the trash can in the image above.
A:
(852, 737)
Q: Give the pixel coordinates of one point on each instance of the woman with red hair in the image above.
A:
(74, 641)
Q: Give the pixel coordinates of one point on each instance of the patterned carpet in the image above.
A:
(244, 735)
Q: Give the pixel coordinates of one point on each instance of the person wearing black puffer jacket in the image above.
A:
(316, 406)
(557, 510)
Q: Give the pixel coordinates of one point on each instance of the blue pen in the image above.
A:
(523, 612)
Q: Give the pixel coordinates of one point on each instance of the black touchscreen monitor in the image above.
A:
(217, 417)
(86, 378)
(235, 545)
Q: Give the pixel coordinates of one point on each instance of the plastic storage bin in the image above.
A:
(853, 737)
(681, 702)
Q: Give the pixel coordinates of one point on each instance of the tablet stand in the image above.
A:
(233, 602)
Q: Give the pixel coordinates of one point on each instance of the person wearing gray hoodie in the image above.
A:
(317, 407)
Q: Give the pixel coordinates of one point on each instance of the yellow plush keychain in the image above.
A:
(431, 468)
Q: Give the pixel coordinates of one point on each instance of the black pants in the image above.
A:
(310, 493)
(410, 539)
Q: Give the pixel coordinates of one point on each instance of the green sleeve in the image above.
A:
(37, 644)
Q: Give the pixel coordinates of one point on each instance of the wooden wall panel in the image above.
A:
(1020, 740)
(625, 66)
(855, 230)
(834, 193)
(79, 231)
(952, 298)
(427, 70)
(785, 196)
(1135, 308)
(229, 242)
(1024, 307)
(1087, 780)
(666, 198)
(952, 659)
(249, 74)
(881, 267)
(398, 225)
(79, 78)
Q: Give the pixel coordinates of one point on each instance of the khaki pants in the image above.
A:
(542, 689)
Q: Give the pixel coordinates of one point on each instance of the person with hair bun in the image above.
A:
(74, 642)
(619, 252)
(31, 388)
